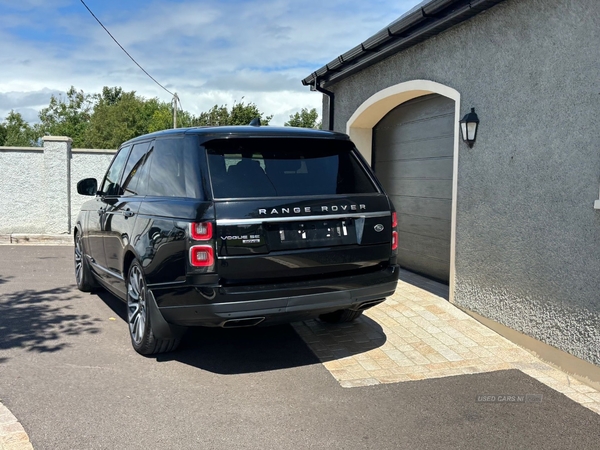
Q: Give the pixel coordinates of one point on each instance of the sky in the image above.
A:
(211, 52)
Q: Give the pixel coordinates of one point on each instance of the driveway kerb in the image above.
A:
(12, 434)
(36, 239)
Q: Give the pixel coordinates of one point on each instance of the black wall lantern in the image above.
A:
(468, 127)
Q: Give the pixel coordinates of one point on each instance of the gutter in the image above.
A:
(418, 25)
(330, 101)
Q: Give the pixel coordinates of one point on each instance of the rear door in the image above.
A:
(295, 208)
(120, 214)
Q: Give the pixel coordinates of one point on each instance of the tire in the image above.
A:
(138, 316)
(340, 316)
(83, 274)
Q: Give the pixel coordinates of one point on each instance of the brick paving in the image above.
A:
(12, 434)
(417, 334)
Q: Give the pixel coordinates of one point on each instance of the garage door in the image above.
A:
(413, 147)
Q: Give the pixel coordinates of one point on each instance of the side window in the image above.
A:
(142, 173)
(133, 170)
(110, 185)
(167, 170)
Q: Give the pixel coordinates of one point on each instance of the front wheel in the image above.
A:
(340, 316)
(138, 316)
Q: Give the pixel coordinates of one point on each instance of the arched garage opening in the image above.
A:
(409, 134)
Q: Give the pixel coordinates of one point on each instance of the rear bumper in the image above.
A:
(205, 306)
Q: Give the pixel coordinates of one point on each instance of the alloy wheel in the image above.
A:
(78, 261)
(136, 304)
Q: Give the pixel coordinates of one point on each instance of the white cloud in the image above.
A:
(210, 52)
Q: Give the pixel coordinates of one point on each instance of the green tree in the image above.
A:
(69, 116)
(2, 134)
(240, 114)
(304, 119)
(114, 116)
(162, 118)
(119, 116)
(19, 133)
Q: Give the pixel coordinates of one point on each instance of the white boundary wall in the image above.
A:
(38, 185)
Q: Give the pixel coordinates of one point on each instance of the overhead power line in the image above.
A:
(126, 52)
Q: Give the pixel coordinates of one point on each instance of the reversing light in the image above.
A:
(201, 231)
(202, 256)
(394, 240)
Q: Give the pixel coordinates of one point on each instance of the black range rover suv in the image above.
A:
(236, 226)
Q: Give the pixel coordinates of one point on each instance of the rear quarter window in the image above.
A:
(173, 169)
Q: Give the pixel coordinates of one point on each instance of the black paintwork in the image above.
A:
(268, 277)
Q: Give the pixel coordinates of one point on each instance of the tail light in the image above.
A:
(202, 255)
(394, 232)
(201, 231)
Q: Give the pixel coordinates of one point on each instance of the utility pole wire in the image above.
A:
(130, 57)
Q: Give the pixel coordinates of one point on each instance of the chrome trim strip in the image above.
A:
(167, 284)
(356, 215)
(110, 272)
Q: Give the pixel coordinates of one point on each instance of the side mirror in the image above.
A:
(87, 186)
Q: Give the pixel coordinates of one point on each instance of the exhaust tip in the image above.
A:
(369, 304)
(244, 322)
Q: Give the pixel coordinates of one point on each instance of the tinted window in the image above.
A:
(133, 172)
(111, 186)
(285, 167)
(167, 170)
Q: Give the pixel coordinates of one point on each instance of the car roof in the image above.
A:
(240, 131)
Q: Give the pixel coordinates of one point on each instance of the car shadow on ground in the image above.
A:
(245, 350)
(38, 320)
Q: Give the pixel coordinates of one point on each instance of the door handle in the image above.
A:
(128, 213)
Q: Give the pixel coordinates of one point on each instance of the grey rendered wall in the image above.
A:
(528, 238)
(87, 164)
(38, 186)
(21, 188)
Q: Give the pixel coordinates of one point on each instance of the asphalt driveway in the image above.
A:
(69, 374)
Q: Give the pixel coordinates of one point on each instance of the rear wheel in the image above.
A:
(340, 316)
(83, 274)
(138, 316)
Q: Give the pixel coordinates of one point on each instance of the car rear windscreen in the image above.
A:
(281, 167)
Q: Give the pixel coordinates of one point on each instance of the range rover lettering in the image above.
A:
(235, 227)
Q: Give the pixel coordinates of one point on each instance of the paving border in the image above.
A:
(12, 433)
